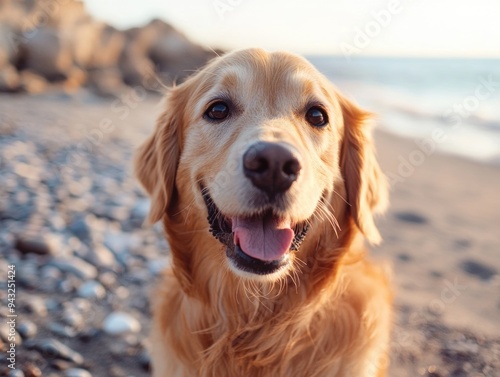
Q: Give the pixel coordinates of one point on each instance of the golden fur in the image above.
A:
(329, 313)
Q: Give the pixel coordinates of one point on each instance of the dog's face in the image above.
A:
(260, 144)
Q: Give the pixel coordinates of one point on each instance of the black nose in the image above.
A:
(271, 167)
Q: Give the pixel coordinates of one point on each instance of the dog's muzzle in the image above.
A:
(256, 244)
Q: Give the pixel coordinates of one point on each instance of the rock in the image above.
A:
(27, 329)
(62, 330)
(75, 372)
(172, 53)
(140, 211)
(144, 360)
(101, 256)
(80, 304)
(46, 53)
(106, 82)
(16, 373)
(139, 276)
(17, 212)
(52, 304)
(97, 45)
(116, 371)
(119, 349)
(118, 323)
(108, 279)
(8, 43)
(136, 67)
(9, 51)
(69, 285)
(120, 244)
(36, 305)
(461, 348)
(42, 42)
(72, 317)
(91, 289)
(37, 244)
(27, 274)
(32, 371)
(53, 348)
(89, 334)
(75, 266)
(9, 79)
(51, 276)
(50, 272)
(33, 83)
(156, 266)
(168, 49)
(5, 334)
(81, 227)
(61, 364)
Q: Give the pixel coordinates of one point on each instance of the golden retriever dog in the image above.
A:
(266, 182)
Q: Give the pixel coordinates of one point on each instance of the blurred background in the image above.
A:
(80, 83)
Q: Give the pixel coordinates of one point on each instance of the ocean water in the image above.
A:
(455, 99)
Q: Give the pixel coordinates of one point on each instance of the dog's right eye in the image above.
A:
(217, 111)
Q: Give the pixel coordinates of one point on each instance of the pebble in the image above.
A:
(81, 227)
(55, 349)
(27, 329)
(156, 266)
(108, 279)
(61, 365)
(75, 266)
(51, 273)
(32, 371)
(5, 335)
(462, 348)
(17, 212)
(118, 323)
(36, 305)
(27, 274)
(120, 245)
(16, 373)
(56, 222)
(62, 330)
(140, 210)
(76, 372)
(68, 285)
(52, 304)
(81, 304)
(91, 289)
(120, 350)
(88, 334)
(102, 257)
(37, 244)
(144, 360)
(51, 278)
(73, 317)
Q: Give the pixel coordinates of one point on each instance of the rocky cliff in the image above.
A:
(56, 44)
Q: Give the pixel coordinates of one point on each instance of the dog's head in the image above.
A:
(261, 151)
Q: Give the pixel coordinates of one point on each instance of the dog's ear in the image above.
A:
(158, 157)
(366, 186)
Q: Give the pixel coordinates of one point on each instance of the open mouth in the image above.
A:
(258, 244)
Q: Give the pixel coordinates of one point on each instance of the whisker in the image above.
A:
(341, 197)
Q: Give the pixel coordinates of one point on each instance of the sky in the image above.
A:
(450, 28)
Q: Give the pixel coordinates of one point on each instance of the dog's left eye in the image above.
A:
(217, 111)
(316, 117)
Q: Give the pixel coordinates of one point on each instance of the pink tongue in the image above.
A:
(266, 238)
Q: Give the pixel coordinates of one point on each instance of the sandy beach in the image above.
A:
(440, 235)
(65, 161)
